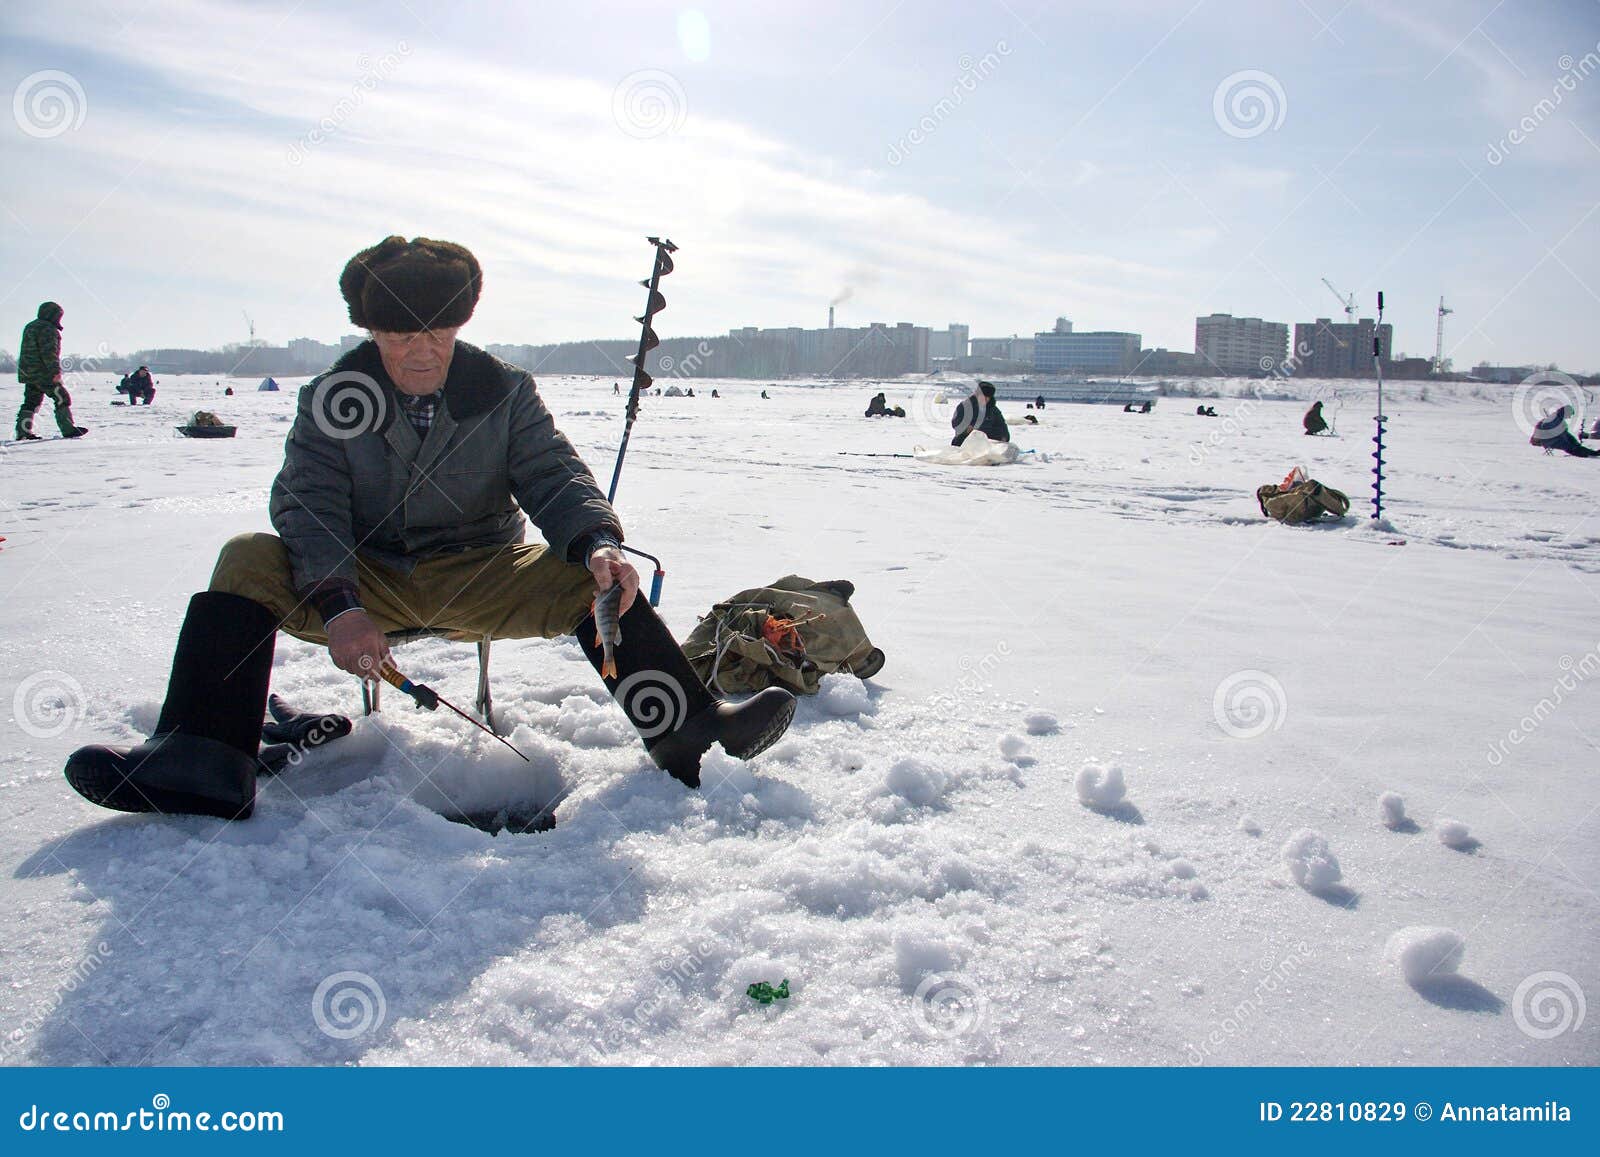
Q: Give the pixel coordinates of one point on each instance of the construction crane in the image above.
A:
(1349, 302)
(249, 321)
(1438, 342)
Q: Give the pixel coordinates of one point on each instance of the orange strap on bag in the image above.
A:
(782, 634)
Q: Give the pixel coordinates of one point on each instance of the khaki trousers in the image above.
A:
(496, 592)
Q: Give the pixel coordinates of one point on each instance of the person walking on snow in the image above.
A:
(406, 477)
(39, 371)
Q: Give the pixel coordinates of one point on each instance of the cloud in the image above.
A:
(272, 133)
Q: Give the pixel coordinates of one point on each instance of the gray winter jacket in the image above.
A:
(356, 475)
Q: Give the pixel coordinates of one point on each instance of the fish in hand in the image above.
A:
(608, 628)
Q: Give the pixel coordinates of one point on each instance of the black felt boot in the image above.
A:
(202, 758)
(677, 717)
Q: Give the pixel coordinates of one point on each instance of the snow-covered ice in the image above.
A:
(1113, 588)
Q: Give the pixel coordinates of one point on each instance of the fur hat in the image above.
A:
(401, 286)
(986, 389)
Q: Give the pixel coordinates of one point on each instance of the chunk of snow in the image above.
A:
(1454, 834)
(1012, 746)
(1311, 862)
(1100, 787)
(1041, 723)
(918, 956)
(1392, 809)
(841, 694)
(1249, 826)
(1182, 869)
(916, 781)
(1426, 953)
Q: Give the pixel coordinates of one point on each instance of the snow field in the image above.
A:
(917, 857)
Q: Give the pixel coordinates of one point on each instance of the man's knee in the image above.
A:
(543, 597)
(253, 565)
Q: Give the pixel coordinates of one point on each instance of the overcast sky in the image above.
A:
(1128, 164)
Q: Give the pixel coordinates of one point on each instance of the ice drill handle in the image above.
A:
(655, 587)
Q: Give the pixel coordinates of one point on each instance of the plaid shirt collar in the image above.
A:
(420, 411)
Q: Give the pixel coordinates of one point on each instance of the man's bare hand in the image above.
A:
(357, 645)
(609, 565)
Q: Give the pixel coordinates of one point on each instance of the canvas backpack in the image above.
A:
(789, 633)
(1304, 501)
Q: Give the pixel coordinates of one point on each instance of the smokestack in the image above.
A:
(830, 317)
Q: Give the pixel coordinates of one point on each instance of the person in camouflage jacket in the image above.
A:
(39, 371)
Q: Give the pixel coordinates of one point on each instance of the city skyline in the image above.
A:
(1134, 166)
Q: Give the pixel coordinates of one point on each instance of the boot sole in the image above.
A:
(110, 789)
(769, 735)
(130, 781)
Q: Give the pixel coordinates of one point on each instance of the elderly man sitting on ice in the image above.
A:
(400, 505)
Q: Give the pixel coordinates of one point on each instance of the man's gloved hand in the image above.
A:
(609, 565)
(357, 645)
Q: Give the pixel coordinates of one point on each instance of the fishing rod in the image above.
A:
(857, 454)
(429, 699)
(654, 304)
